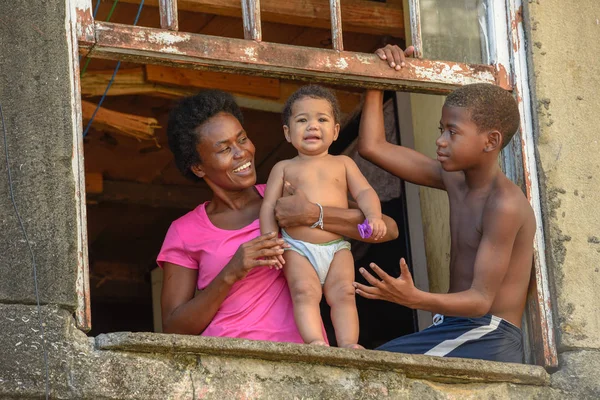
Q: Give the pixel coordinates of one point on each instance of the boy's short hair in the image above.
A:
(314, 92)
(187, 116)
(491, 107)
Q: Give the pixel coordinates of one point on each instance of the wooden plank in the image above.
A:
(81, 31)
(358, 15)
(93, 182)
(251, 18)
(255, 86)
(129, 81)
(336, 25)
(540, 299)
(84, 21)
(156, 46)
(140, 128)
(168, 14)
(415, 27)
(132, 82)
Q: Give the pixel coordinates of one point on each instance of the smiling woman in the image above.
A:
(217, 247)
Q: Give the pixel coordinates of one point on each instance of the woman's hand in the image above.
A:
(263, 250)
(294, 209)
(394, 55)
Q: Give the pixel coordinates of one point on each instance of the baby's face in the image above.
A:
(312, 127)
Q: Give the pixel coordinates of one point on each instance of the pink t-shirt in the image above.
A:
(259, 306)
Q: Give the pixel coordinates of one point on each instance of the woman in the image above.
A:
(216, 247)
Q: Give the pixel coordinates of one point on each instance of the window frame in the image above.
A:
(167, 46)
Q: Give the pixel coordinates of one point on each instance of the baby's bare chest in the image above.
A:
(319, 179)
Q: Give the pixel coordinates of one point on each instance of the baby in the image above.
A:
(319, 261)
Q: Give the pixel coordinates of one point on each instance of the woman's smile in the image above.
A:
(243, 169)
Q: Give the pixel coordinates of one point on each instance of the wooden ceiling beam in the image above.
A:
(357, 15)
(141, 128)
(133, 82)
(251, 85)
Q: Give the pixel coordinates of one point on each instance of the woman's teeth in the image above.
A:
(242, 167)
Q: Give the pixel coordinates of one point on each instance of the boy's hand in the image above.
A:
(394, 55)
(377, 226)
(399, 290)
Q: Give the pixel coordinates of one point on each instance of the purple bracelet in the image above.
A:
(365, 230)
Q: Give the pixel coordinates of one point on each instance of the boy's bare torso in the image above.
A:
(468, 209)
(323, 180)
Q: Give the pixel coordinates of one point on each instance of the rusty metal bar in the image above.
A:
(251, 18)
(414, 8)
(336, 25)
(168, 14)
(156, 46)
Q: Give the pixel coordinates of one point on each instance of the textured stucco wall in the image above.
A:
(35, 92)
(565, 46)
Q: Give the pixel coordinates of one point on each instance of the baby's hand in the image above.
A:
(279, 260)
(378, 227)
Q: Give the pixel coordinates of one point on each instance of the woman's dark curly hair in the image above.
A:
(187, 116)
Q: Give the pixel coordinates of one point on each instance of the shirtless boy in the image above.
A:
(319, 261)
(491, 222)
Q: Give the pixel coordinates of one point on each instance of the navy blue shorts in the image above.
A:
(486, 338)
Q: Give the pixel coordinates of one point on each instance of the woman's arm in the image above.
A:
(182, 312)
(294, 209)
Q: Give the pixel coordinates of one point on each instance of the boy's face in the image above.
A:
(312, 127)
(460, 145)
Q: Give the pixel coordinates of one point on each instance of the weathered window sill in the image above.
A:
(412, 366)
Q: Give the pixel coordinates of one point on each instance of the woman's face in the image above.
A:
(226, 152)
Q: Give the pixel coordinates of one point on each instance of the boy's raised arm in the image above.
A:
(403, 162)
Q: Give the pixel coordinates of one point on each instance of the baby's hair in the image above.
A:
(491, 107)
(184, 120)
(314, 92)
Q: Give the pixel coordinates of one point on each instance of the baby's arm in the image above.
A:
(274, 190)
(365, 196)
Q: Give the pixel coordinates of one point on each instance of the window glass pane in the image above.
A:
(454, 30)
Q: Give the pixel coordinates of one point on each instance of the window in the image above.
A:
(289, 44)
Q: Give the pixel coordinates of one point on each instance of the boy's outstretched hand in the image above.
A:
(394, 55)
(399, 290)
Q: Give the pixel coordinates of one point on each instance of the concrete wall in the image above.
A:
(35, 92)
(566, 78)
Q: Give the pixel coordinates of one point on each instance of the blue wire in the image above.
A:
(112, 79)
